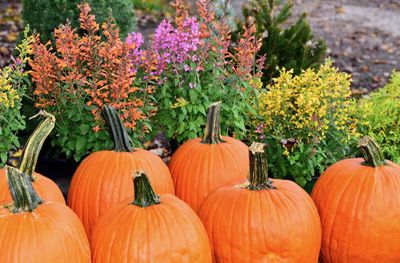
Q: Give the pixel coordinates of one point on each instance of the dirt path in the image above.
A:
(363, 38)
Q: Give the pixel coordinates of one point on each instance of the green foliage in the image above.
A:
(153, 6)
(306, 121)
(46, 15)
(379, 116)
(13, 87)
(286, 45)
(182, 110)
(79, 141)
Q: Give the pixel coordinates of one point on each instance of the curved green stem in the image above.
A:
(122, 141)
(30, 153)
(212, 133)
(372, 154)
(24, 196)
(144, 193)
(258, 175)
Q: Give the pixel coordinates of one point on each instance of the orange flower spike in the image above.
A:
(87, 21)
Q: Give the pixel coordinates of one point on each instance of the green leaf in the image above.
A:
(84, 128)
(202, 109)
(301, 181)
(79, 143)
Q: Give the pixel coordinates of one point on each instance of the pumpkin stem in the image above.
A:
(122, 141)
(212, 133)
(144, 193)
(24, 196)
(30, 153)
(372, 154)
(258, 175)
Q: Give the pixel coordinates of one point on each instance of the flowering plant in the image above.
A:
(195, 68)
(83, 73)
(13, 87)
(306, 121)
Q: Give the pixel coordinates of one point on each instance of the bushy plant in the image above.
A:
(13, 87)
(379, 117)
(196, 69)
(46, 15)
(155, 7)
(306, 121)
(74, 80)
(286, 44)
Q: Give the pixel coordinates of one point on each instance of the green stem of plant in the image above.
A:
(122, 141)
(212, 133)
(144, 193)
(372, 154)
(30, 153)
(258, 175)
(25, 199)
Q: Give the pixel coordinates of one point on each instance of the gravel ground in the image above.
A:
(363, 37)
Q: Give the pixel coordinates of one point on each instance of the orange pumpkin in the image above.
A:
(103, 179)
(358, 201)
(36, 231)
(200, 166)
(262, 220)
(45, 187)
(151, 229)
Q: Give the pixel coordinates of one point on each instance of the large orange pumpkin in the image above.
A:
(45, 187)
(103, 179)
(358, 201)
(262, 220)
(36, 231)
(151, 229)
(200, 166)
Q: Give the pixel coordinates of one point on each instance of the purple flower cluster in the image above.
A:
(177, 45)
(135, 41)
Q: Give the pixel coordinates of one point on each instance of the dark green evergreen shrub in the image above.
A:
(286, 44)
(45, 15)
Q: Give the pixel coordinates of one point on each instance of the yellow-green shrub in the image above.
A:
(306, 121)
(379, 117)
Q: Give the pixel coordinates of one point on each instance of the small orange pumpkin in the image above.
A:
(200, 166)
(36, 231)
(358, 201)
(151, 229)
(262, 220)
(103, 179)
(45, 187)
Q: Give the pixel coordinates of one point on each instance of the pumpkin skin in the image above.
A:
(359, 206)
(52, 233)
(167, 231)
(36, 232)
(45, 187)
(200, 166)
(277, 222)
(104, 178)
